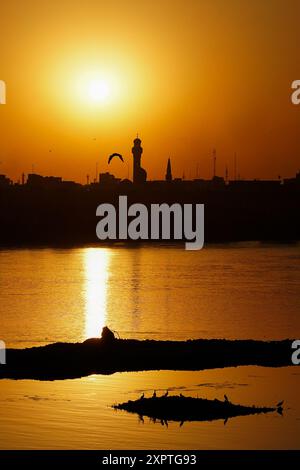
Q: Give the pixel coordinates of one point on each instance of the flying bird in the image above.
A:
(115, 155)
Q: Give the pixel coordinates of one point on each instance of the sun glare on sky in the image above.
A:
(98, 91)
(104, 71)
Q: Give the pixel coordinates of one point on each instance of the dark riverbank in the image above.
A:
(66, 214)
(95, 356)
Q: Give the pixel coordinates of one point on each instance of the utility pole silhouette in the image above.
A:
(214, 162)
(235, 166)
(96, 172)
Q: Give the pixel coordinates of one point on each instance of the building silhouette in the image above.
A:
(169, 171)
(4, 181)
(35, 180)
(139, 174)
(108, 180)
(51, 210)
(164, 187)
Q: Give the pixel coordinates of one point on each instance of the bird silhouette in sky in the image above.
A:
(115, 155)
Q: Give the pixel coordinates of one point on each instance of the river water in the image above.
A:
(248, 290)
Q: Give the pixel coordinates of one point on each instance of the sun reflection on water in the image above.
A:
(97, 262)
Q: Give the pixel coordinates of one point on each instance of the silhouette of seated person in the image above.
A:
(107, 335)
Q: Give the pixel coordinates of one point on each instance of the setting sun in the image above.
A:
(98, 91)
(94, 88)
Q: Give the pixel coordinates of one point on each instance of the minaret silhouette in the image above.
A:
(139, 174)
(169, 171)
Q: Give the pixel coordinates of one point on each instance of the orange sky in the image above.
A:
(187, 75)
